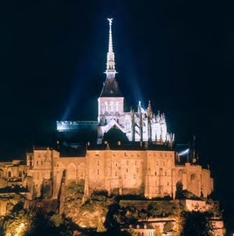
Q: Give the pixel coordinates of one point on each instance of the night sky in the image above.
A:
(178, 54)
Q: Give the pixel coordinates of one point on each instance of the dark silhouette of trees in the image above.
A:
(196, 224)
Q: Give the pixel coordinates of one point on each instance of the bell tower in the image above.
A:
(111, 101)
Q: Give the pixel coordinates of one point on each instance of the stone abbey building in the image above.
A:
(123, 153)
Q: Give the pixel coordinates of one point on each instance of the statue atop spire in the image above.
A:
(110, 65)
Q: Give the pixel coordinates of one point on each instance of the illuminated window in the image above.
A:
(117, 106)
(111, 106)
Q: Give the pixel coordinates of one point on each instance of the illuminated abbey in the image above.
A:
(132, 153)
(142, 125)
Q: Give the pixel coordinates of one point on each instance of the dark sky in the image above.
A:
(176, 53)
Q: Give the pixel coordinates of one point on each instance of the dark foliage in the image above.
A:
(196, 224)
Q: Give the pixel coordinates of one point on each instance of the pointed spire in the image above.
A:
(149, 110)
(110, 65)
(110, 46)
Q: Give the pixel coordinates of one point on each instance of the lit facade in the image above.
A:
(140, 125)
(146, 164)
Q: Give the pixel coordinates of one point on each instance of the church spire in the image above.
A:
(110, 86)
(110, 65)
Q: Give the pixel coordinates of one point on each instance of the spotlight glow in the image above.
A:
(185, 152)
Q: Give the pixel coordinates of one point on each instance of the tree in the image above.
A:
(196, 224)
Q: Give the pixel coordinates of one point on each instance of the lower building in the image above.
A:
(139, 168)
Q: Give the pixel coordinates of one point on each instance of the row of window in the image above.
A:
(161, 163)
(111, 106)
(150, 233)
(137, 170)
(138, 155)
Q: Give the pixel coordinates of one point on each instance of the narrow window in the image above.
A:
(111, 106)
(117, 106)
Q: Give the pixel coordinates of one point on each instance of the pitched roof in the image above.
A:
(110, 88)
